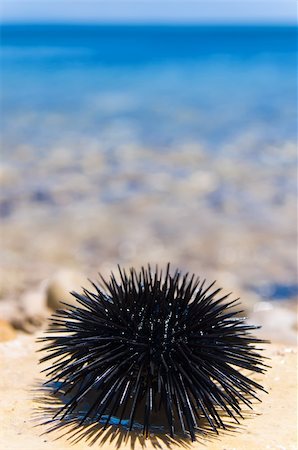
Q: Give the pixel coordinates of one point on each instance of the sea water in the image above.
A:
(150, 143)
(154, 85)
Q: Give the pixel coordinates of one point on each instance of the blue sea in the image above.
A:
(154, 85)
(151, 143)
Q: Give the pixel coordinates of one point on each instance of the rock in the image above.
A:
(9, 309)
(26, 314)
(247, 299)
(33, 303)
(278, 323)
(33, 310)
(8, 175)
(60, 286)
(11, 278)
(7, 333)
(10, 312)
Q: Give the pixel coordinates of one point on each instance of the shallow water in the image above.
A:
(136, 144)
(148, 85)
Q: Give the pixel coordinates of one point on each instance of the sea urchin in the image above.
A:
(153, 344)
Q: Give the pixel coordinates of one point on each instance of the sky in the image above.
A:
(165, 11)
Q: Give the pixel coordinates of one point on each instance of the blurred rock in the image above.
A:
(8, 309)
(202, 181)
(11, 313)
(228, 280)
(11, 279)
(279, 324)
(33, 310)
(7, 333)
(248, 300)
(33, 303)
(60, 286)
(28, 313)
(8, 174)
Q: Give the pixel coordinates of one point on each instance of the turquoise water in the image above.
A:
(129, 144)
(149, 85)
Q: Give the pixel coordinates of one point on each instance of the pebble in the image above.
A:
(8, 175)
(278, 323)
(33, 310)
(27, 313)
(7, 332)
(61, 284)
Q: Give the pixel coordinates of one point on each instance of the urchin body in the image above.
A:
(149, 345)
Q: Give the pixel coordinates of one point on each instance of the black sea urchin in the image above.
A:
(152, 345)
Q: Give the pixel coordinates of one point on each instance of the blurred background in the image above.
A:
(137, 132)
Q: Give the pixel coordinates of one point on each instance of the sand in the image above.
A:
(273, 426)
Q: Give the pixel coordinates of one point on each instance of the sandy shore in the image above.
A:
(273, 426)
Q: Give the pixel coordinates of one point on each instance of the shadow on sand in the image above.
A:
(109, 431)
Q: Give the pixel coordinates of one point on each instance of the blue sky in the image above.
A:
(204, 11)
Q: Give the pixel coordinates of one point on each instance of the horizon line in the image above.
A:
(292, 23)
